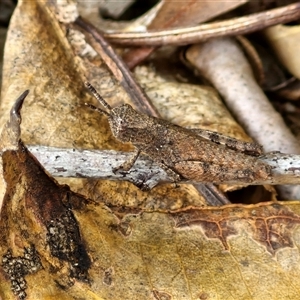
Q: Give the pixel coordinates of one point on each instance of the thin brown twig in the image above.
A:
(191, 35)
(118, 68)
(254, 59)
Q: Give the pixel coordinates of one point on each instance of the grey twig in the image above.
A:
(98, 164)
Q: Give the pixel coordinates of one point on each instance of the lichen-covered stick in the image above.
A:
(181, 152)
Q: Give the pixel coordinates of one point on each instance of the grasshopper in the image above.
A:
(182, 152)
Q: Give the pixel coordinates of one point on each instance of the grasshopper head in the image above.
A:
(126, 123)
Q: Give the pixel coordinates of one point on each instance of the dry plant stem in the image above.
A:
(190, 35)
(98, 164)
(210, 191)
(254, 59)
(122, 73)
(118, 68)
(222, 62)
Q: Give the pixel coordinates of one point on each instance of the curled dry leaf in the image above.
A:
(36, 218)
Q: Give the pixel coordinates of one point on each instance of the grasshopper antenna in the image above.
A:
(99, 98)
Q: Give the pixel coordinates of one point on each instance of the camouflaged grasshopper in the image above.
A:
(196, 155)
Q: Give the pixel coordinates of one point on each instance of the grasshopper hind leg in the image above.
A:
(128, 164)
(175, 177)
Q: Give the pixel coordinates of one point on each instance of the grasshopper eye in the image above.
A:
(123, 123)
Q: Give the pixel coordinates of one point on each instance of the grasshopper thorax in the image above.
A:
(125, 123)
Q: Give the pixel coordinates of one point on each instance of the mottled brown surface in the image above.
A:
(181, 151)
